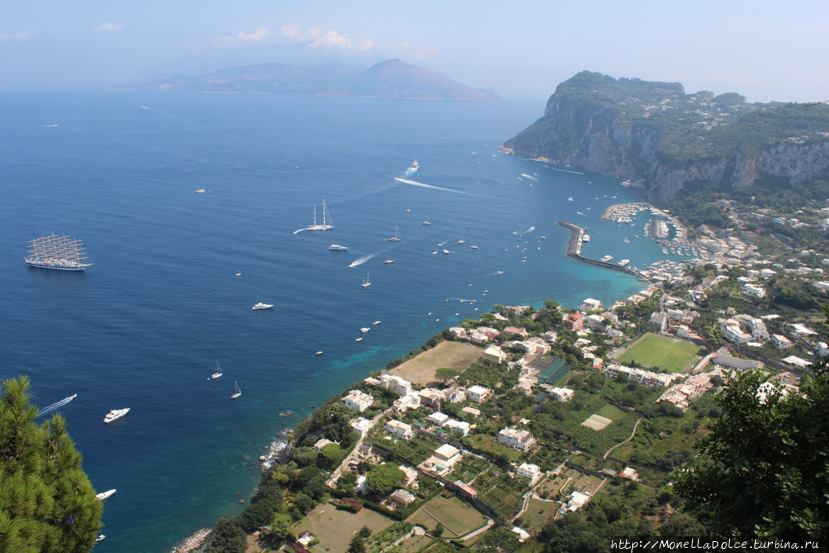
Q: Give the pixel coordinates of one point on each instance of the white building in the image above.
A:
(357, 400)
(458, 427)
(437, 418)
(577, 501)
(781, 342)
(529, 471)
(495, 354)
(753, 291)
(646, 378)
(562, 394)
(733, 333)
(396, 385)
(519, 439)
(590, 304)
(478, 394)
(399, 429)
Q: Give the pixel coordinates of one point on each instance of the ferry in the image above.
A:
(103, 496)
(337, 248)
(262, 306)
(116, 414)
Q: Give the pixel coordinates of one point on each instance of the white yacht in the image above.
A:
(474, 248)
(445, 251)
(366, 282)
(427, 222)
(364, 330)
(319, 353)
(237, 392)
(395, 238)
(217, 374)
(388, 261)
(337, 248)
(116, 414)
(327, 221)
(103, 496)
(260, 306)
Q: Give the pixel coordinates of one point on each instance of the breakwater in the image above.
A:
(574, 250)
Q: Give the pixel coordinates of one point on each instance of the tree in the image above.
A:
(383, 479)
(358, 542)
(764, 470)
(281, 526)
(47, 503)
(226, 537)
(331, 455)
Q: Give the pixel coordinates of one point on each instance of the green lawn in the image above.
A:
(335, 529)
(655, 351)
(538, 514)
(456, 516)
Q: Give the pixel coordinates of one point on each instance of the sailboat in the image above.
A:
(366, 282)
(217, 374)
(395, 238)
(327, 221)
(238, 393)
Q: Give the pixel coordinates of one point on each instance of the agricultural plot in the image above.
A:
(457, 517)
(335, 528)
(662, 352)
(500, 492)
(422, 368)
(596, 422)
(538, 514)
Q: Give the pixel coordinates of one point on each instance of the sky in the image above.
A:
(521, 48)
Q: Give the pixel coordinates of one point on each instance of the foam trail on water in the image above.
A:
(57, 405)
(419, 184)
(565, 170)
(526, 176)
(360, 261)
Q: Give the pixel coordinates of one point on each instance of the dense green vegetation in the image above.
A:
(47, 503)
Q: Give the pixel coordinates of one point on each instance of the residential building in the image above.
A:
(358, 400)
(529, 471)
(396, 384)
(495, 354)
(646, 378)
(781, 342)
(519, 439)
(432, 397)
(458, 427)
(478, 394)
(399, 429)
(402, 498)
(516, 331)
(562, 394)
(753, 291)
(437, 418)
(590, 304)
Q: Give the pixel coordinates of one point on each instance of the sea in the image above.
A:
(176, 271)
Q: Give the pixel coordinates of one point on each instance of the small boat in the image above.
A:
(360, 339)
(103, 496)
(286, 413)
(395, 238)
(200, 190)
(238, 391)
(499, 273)
(238, 273)
(366, 282)
(319, 353)
(100, 538)
(388, 261)
(261, 306)
(474, 248)
(445, 251)
(626, 240)
(427, 222)
(375, 323)
(337, 248)
(435, 252)
(116, 414)
(217, 374)
(364, 329)
(461, 242)
(569, 198)
(585, 238)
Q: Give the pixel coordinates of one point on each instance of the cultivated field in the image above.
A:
(335, 528)
(662, 352)
(538, 514)
(596, 422)
(457, 517)
(422, 368)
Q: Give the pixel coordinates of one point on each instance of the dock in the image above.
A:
(574, 250)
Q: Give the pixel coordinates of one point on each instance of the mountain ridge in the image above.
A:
(393, 79)
(665, 140)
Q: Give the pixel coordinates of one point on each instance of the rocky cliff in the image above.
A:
(665, 140)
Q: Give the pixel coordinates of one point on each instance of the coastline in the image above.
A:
(574, 247)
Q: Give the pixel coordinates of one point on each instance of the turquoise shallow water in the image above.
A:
(144, 326)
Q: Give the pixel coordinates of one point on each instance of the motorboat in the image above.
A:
(259, 306)
(103, 496)
(116, 414)
(337, 248)
(388, 261)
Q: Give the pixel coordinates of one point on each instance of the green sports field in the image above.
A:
(663, 352)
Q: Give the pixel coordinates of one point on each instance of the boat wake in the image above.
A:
(522, 233)
(565, 170)
(57, 405)
(297, 231)
(526, 176)
(419, 184)
(360, 261)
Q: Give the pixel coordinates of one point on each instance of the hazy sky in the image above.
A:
(765, 50)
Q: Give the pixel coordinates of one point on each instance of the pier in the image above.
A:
(574, 250)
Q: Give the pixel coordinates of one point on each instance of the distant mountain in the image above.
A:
(665, 140)
(387, 79)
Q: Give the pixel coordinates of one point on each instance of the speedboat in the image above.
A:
(445, 251)
(100, 538)
(262, 306)
(388, 261)
(103, 496)
(474, 248)
(238, 273)
(116, 414)
(435, 252)
(360, 339)
(337, 248)
(426, 222)
(461, 241)
(364, 329)
(375, 323)
(319, 353)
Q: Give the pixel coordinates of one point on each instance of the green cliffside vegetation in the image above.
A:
(665, 140)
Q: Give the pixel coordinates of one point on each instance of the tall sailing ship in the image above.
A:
(326, 224)
(59, 253)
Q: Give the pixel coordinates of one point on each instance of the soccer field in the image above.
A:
(655, 351)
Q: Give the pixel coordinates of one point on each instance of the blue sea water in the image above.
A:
(144, 326)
